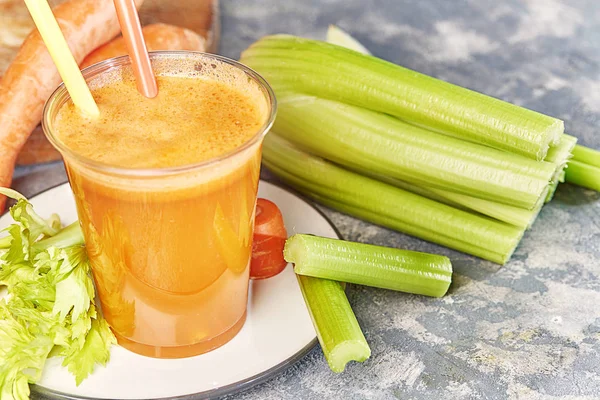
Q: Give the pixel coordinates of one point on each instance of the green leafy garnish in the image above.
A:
(49, 309)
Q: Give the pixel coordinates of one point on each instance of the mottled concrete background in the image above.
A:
(529, 330)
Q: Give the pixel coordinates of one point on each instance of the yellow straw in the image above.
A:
(61, 54)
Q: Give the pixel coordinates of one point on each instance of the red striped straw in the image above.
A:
(136, 47)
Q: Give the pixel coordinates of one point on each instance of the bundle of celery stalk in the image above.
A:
(410, 152)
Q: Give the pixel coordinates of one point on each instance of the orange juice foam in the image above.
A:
(189, 121)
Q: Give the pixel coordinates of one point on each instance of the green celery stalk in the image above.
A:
(398, 224)
(586, 155)
(335, 323)
(333, 72)
(71, 235)
(512, 215)
(386, 146)
(584, 175)
(364, 264)
(557, 155)
(388, 205)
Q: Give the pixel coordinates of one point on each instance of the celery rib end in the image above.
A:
(349, 350)
(293, 249)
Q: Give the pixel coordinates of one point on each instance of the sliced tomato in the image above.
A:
(268, 242)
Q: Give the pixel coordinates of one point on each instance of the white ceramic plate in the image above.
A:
(277, 332)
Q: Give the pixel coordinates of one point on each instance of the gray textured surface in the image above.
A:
(529, 330)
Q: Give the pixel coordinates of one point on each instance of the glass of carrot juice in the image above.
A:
(165, 190)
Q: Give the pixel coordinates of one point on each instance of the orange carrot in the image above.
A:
(268, 241)
(157, 37)
(32, 76)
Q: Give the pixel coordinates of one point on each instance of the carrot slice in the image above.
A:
(268, 242)
(268, 219)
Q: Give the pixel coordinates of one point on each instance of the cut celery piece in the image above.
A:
(335, 35)
(390, 206)
(335, 323)
(584, 175)
(370, 265)
(386, 146)
(587, 156)
(329, 71)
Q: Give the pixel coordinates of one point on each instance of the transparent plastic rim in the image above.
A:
(60, 96)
